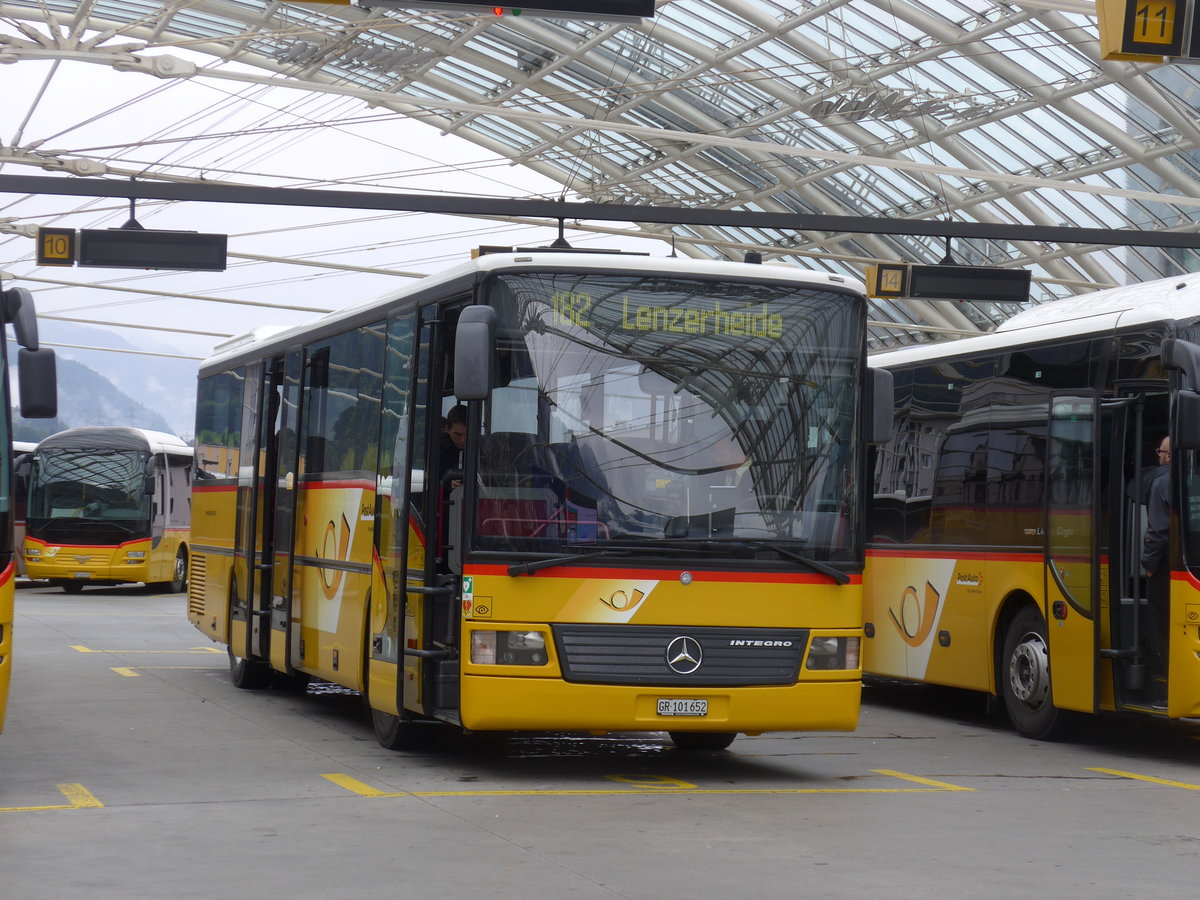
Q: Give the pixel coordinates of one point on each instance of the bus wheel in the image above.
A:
(702, 740)
(1025, 677)
(250, 675)
(395, 733)
(178, 584)
(72, 587)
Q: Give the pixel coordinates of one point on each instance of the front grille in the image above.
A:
(638, 654)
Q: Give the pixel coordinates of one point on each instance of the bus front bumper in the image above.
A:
(497, 703)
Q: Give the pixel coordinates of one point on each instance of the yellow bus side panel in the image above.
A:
(211, 570)
(935, 616)
(382, 663)
(414, 625)
(1183, 676)
(7, 586)
(335, 522)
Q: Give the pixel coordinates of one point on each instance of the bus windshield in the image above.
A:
(646, 408)
(88, 496)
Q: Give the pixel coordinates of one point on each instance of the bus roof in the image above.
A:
(526, 260)
(1101, 312)
(97, 437)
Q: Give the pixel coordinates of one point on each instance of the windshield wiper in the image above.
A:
(815, 564)
(529, 567)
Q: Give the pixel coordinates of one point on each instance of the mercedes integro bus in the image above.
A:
(549, 491)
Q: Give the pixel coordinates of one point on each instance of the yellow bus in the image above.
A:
(38, 400)
(651, 519)
(109, 505)
(22, 458)
(1009, 519)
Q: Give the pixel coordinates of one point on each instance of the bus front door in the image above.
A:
(1139, 422)
(1072, 569)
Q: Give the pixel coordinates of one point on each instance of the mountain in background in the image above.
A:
(98, 387)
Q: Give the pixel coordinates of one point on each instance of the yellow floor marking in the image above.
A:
(647, 787)
(358, 787)
(939, 785)
(77, 795)
(136, 671)
(83, 649)
(1152, 780)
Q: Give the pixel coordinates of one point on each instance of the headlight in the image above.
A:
(32, 551)
(135, 555)
(508, 648)
(833, 653)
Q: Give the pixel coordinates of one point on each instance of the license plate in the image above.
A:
(682, 706)
(81, 574)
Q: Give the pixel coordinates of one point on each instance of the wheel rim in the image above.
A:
(1029, 671)
(180, 569)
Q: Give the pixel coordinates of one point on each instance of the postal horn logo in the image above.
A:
(684, 655)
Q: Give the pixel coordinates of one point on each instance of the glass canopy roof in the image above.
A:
(944, 111)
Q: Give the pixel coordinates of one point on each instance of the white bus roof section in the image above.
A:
(118, 437)
(595, 262)
(1166, 299)
(929, 110)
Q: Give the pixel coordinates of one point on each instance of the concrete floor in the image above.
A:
(131, 768)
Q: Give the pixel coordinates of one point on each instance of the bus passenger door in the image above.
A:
(250, 588)
(284, 387)
(1140, 421)
(1072, 567)
(432, 617)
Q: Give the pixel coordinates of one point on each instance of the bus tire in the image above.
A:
(248, 674)
(178, 584)
(72, 587)
(395, 733)
(702, 740)
(1025, 677)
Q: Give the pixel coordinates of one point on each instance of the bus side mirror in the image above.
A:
(1183, 355)
(38, 373)
(474, 353)
(19, 309)
(1187, 421)
(149, 486)
(880, 399)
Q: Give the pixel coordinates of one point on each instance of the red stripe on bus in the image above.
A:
(89, 546)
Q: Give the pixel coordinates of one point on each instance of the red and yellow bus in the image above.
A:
(22, 458)
(39, 399)
(653, 522)
(109, 505)
(1009, 511)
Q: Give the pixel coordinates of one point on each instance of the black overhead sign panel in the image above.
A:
(980, 283)
(596, 10)
(133, 248)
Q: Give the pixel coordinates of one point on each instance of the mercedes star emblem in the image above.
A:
(684, 655)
